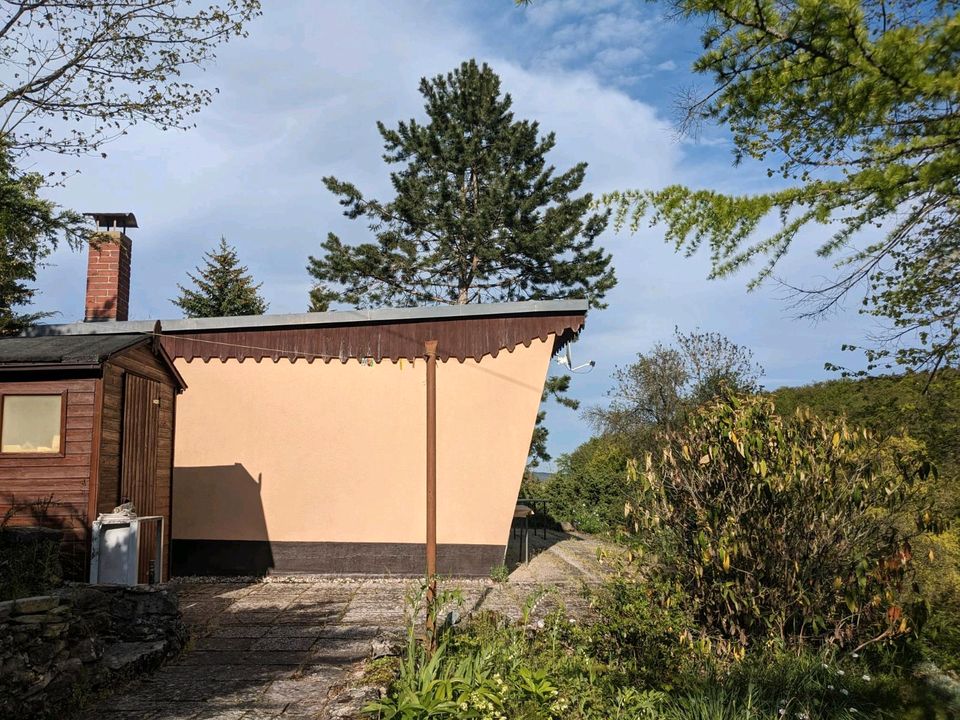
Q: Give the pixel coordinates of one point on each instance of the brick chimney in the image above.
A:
(108, 268)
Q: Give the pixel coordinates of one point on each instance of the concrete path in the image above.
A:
(261, 650)
(558, 557)
(294, 648)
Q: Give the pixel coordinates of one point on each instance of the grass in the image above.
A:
(500, 573)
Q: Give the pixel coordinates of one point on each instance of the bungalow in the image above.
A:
(300, 444)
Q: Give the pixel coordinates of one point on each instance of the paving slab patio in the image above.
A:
(292, 648)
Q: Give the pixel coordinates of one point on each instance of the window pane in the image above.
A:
(31, 424)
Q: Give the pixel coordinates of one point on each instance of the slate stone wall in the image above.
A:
(57, 649)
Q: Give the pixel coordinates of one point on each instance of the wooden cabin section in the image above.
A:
(137, 430)
(54, 490)
(117, 441)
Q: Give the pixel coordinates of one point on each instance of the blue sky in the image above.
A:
(299, 99)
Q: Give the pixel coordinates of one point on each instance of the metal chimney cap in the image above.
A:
(112, 221)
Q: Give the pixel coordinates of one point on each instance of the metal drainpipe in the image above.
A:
(431, 350)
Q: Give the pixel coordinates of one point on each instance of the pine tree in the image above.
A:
(223, 288)
(478, 215)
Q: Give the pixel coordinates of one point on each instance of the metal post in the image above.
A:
(526, 540)
(431, 350)
(131, 560)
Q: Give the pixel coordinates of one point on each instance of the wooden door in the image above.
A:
(138, 465)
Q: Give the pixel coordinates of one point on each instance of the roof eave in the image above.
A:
(49, 366)
(336, 317)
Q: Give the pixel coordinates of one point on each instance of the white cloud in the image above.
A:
(299, 100)
(604, 36)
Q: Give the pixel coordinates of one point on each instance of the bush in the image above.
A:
(786, 531)
(939, 577)
(642, 625)
(929, 411)
(589, 489)
(29, 561)
(30, 555)
(494, 668)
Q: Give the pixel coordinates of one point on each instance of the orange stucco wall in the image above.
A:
(336, 452)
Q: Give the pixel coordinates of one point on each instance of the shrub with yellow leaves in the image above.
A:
(787, 531)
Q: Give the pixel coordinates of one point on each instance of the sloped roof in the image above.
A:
(374, 316)
(65, 349)
(51, 353)
(462, 331)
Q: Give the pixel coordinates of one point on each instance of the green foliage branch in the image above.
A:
(30, 230)
(854, 106)
(588, 488)
(892, 404)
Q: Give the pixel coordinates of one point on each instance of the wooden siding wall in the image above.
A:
(66, 478)
(108, 494)
(139, 361)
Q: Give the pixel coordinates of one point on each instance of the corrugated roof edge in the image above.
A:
(335, 317)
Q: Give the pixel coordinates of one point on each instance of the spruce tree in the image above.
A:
(223, 287)
(478, 216)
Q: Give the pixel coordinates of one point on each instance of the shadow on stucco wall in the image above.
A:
(219, 527)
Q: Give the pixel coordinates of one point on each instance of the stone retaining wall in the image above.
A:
(55, 649)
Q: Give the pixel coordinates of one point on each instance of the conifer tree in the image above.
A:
(30, 229)
(853, 108)
(223, 287)
(479, 215)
